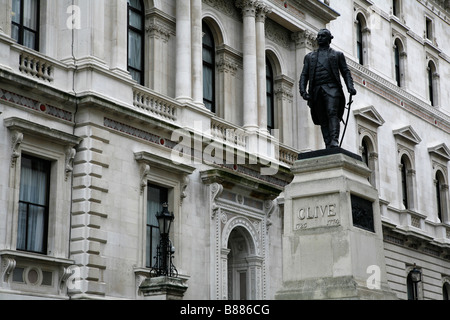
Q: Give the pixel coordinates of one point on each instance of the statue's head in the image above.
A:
(324, 37)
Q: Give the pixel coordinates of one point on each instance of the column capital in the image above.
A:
(305, 38)
(262, 10)
(248, 7)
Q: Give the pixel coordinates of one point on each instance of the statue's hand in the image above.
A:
(306, 96)
(352, 91)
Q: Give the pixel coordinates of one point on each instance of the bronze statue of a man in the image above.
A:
(325, 95)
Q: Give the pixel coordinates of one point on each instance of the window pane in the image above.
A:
(207, 83)
(36, 229)
(33, 181)
(149, 257)
(15, 12)
(134, 50)
(22, 228)
(135, 20)
(207, 55)
(156, 196)
(29, 39)
(135, 75)
(33, 204)
(135, 4)
(30, 14)
(15, 32)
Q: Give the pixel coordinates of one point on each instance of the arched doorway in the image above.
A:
(243, 266)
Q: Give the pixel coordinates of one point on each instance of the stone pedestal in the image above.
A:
(163, 288)
(332, 243)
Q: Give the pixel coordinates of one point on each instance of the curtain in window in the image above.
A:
(270, 97)
(135, 55)
(33, 200)
(208, 68)
(25, 22)
(135, 40)
(15, 18)
(30, 9)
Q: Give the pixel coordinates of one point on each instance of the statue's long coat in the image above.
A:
(337, 64)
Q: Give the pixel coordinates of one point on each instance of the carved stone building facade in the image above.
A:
(110, 108)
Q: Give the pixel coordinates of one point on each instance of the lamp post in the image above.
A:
(416, 277)
(164, 252)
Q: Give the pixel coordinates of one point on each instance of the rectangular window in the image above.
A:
(429, 28)
(396, 8)
(33, 205)
(136, 44)
(25, 23)
(156, 196)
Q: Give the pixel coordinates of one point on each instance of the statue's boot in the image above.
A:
(334, 131)
(326, 136)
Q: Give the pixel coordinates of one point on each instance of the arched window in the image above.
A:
(25, 23)
(136, 33)
(405, 167)
(359, 39)
(365, 151)
(270, 96)
(396, 8)
(432, 83)
(446, 291)
(412, 287)
(397, 62)
(440, 197)
(209, 54)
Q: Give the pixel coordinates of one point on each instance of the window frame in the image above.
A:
(57, 147)
(141, 32)
(46, 206)
(210, 66)
(433, 84)
(150, 256)
(359, 40)
(22, 28)
(270, 95)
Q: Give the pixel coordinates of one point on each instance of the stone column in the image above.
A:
(119, 36)
(306, 136)
(262, 11)
(250, 103)
(183, 85)
(197, 54)
(5, 17)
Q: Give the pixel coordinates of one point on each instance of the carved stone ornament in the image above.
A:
(8, 265)
(66, 272)
(184, 185)
(70, 156)
(145, 170)
(16, 139)
(216, 191)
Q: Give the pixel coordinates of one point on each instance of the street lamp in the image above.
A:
(164, 252)
(416, 277)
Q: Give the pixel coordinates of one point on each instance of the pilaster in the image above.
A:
(89, 212)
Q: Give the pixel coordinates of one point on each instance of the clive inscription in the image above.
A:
(321, 213)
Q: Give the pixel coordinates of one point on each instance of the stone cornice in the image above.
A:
(399, 96)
